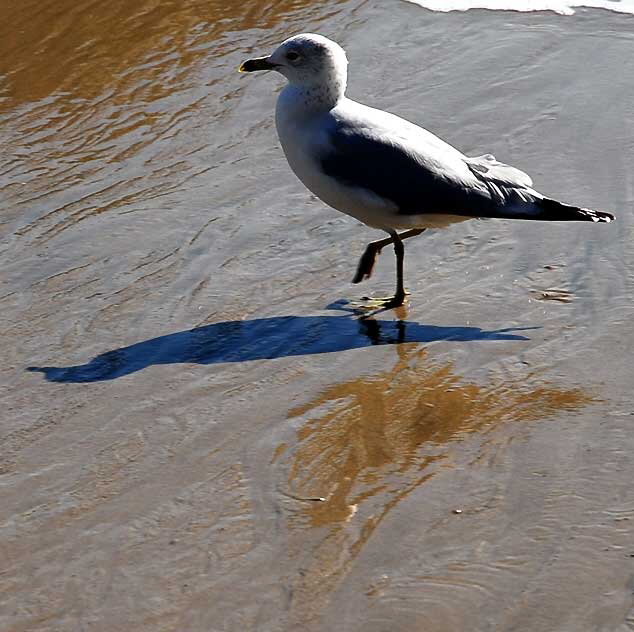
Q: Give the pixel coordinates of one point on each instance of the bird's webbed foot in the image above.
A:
(380, 303)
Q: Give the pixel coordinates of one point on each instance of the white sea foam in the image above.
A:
(558, 6)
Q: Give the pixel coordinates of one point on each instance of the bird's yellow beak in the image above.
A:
(259, 63)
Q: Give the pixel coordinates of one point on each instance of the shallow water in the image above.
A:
(197, 382)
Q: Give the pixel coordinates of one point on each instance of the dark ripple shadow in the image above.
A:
(263, 339)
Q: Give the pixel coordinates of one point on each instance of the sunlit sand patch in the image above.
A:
(368, 443)
(363, 436)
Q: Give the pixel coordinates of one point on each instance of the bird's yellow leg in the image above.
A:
(387, 302)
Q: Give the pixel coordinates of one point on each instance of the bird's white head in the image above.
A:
(313, 63)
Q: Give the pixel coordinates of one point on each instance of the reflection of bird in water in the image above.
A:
(384, 170)
(372, 329)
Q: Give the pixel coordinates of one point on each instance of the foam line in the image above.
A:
(562, 7)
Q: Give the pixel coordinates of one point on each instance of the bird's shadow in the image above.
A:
(264, 338)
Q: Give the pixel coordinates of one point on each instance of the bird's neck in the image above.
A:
(310, 98)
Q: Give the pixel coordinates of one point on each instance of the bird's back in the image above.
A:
(399, 161)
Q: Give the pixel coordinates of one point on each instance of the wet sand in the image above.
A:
(197, 382)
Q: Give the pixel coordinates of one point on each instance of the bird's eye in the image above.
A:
(292, 55)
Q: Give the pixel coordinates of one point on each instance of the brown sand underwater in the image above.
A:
(197, 382)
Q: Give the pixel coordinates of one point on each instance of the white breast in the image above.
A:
(303, 141)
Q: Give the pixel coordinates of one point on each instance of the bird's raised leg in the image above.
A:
(399, 296)
(373, 249)
(368, 259)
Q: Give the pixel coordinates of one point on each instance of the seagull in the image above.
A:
(383, 170)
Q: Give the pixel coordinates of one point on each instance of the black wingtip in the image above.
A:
(559, 212)
(595, 216)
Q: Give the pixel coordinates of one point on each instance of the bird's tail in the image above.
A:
(526, 203)
(553, 211)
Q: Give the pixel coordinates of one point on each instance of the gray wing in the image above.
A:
(415, 181)
(420, 173)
